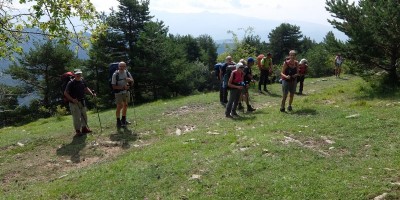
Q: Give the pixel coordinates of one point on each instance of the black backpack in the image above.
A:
(229, 70)
(217, 67)
(65, 78)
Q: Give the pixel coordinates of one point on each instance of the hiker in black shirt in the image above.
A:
(75, 93)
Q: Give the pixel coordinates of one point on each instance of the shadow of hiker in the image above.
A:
(306, 111)
(72, 149)
(124, 136)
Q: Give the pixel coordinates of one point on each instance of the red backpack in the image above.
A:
(65, 78)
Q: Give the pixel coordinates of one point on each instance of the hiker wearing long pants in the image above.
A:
(236, 85)
(75, 93)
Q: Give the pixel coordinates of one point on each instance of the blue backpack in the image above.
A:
(217, 67)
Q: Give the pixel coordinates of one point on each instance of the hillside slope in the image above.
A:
(338, 143)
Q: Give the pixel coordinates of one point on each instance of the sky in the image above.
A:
(300, 10)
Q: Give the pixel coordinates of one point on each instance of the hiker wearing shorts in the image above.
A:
(289, 73)
(75, 94)
(223, 92)
(248, 78)
(338, 65)
(121, 82)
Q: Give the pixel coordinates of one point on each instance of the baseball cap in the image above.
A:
(77, 71)
(250, 60)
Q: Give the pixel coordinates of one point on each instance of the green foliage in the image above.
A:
(54, 18)
(41, 68)
(372, 28)
(284, 38)
(60, 112)
(320, 62)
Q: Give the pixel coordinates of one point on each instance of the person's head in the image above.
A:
(303, 61)
(243, 62)
(121, 65)
(292, 54)
(239, 66)
(228, 59)
(78, 74)
(269, 55)
(250, 61)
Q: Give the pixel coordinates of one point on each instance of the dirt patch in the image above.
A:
(181, 129)
(323, 145)
(47, 163)
(185, 110)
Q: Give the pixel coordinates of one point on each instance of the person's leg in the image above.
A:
(292, 90)
(76, 116)
(301, 81)
(236, 96)
(260, 81)
(221, 93)
(119, 102)
(285, 92)
(229, 104)
(339, 70)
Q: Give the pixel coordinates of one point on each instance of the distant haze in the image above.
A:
(217, 25)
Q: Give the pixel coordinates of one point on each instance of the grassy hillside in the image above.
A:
(338, 143)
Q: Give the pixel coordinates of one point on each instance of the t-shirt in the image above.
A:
(247, 71)
(121, 79)
(266, 63)
(290, 70)
(237, 77)
(76, 89)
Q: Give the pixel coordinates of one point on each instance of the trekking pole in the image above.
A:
(133, 105)
(97, 109)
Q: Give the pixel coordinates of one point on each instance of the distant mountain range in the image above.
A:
(217, 25)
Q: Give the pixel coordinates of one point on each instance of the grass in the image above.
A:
(338, 143)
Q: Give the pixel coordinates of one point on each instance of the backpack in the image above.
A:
(229, 70)
(217, 67)
(259, 58)
(65, 79)
(112, 68)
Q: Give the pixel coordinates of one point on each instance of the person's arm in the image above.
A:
(89, 91)
(67, 95)
(283, 71)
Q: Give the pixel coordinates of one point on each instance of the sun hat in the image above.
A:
(77, 71)
(302, 61)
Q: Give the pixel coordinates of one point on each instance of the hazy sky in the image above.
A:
(299, 10)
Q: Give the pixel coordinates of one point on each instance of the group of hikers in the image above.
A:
(75, 94)
(234, 77)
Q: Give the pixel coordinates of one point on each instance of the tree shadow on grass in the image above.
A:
(124, 136)
(72, 149)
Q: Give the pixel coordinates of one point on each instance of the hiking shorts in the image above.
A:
(122, 97)
(289, 86)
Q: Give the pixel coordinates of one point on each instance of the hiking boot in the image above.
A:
(282, 109)
(234, 114)
(228, 116)
(265, 89)
(119, 124)
(78, 133)
(125, 123)
(250, 109)
(86, 130)
(289, 108)
(240, 107)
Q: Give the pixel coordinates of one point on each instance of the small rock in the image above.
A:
(381, 197)
(20, 144)
(353, 116)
